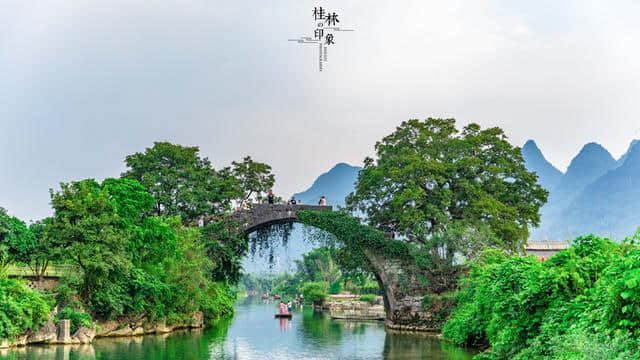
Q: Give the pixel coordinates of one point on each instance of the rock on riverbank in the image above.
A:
(348, 307)
(51, 333)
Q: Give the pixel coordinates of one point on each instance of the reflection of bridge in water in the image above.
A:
(264, 215)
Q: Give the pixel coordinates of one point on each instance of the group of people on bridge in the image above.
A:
(271, 199)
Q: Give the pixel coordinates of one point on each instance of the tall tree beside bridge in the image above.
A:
(182, 182)
(185, 184)
(255, 178)
(449, 191)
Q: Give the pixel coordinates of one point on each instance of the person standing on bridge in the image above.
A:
(323, 201)
(293, 201)
(271, 197)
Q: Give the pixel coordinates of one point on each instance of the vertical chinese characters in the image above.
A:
(326, 27)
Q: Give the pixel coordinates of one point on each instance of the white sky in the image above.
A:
(84, 83)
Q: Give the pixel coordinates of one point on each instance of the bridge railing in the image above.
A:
(53, 270)
(295, 207)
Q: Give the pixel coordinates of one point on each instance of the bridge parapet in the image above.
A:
(260, 215)
(545, 249)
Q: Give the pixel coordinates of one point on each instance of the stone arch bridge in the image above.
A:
(403, 306)
(263, 215)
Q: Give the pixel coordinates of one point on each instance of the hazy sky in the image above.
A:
(84, 83)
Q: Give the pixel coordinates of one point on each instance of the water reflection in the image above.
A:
(399, 345)
(254, 334)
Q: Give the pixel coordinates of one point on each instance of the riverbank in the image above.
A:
(60, 333)
(420, 314)
(253, 333)
(350, 307)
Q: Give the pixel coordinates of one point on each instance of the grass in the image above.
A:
(370, 298)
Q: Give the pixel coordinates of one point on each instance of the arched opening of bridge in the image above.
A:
(275, 247)
(366, 250)
(289, 255)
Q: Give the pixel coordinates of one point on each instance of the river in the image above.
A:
(253, 333)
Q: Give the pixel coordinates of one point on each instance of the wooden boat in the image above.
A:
(276, 297)
(284, 316)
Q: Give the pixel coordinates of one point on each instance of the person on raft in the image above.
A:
(283, 308)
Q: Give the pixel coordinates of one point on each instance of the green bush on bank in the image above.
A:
(218, 302)
(315, 292)
(78, 318)
(370, 287)
(440, 306)
(584, 302)
(370, 298)
(21, 309)
(335, 287)
(131, 263)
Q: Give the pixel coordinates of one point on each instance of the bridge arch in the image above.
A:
(264, 215)
(385, 268)
(402, 292)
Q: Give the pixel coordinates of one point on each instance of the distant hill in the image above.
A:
(622, 159)
(335, 185)
(548, 175)
(596, 195)
(591, 162)
(610, 206)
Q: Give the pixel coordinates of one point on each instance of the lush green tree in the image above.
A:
(226, 247)
(189, 271)
(15, 239)
(40, 251)
(132, 263)
(254, 177)
(287, 285)
(21, 309)
(315, 292)
(87, 228)
(182, 183)
(428, 176)
(581, 302)
(318, 265)
(250, 283)
(186, 185)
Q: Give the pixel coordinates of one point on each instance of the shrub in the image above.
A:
(440, 306)
(217, 302)
(335, 287)
(581, 303)
(314, 292)
(370, 287)
(21, 309)
(78, 318)
(370, 298)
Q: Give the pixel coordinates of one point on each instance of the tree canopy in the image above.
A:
(15, 239)
(86, 226)
(181, 182)
(40, 251)
(429, 176)
(254, 177)
(132, 263)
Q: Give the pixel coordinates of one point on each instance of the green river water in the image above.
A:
(253, 333)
